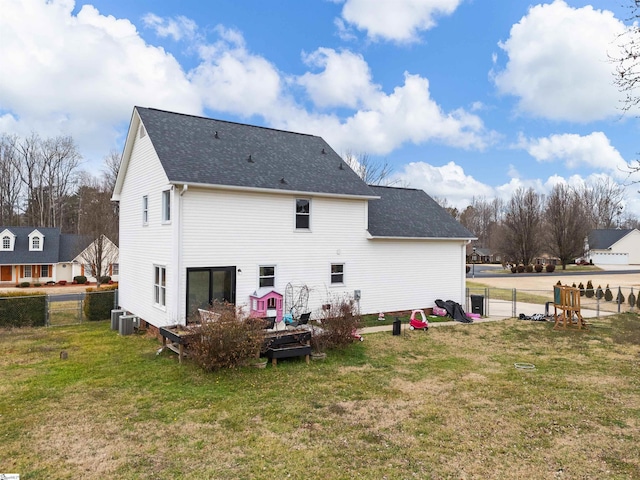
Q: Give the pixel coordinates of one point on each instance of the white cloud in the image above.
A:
(395, 20)
(448, 181)
(232, 79)
(82, 74)
(575, 151)
(344, 82)
(177, 28)
(558, 63)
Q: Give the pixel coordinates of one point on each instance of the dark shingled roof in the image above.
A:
(605, 238)
(214, 152)
(404, 212)
(57, 247)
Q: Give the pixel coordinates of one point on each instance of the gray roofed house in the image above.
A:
(43, 254)
(215, 210)
(613, 246)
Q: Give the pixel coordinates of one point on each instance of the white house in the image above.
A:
(219, 210)
(614, 247)
(40, 255)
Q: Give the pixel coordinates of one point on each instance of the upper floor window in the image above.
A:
(6, 243)
(267, 276)
(303, 213)
(337, 273)
(166, 205)
(35, 243)
(145, 210)
(7, 240)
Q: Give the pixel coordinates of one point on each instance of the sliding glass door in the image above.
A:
(205, 285)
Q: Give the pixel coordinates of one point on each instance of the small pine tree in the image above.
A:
(632, 299)
(608, 296)
(599, 293)
(638, 302)
(620, 297)
(560, 283)
(589, 292)
(574, 285)
(581, 287)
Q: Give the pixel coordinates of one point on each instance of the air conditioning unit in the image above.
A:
(126, 324)
(115, 318)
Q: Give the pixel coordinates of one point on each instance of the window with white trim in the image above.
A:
(166, 206)
(35, 243)
(145, 210)
(160, 285)
(115, 269)
(27, 271)
(267, 276)
(6, 243)
(88, 271)
(337, 273)
(303, 213)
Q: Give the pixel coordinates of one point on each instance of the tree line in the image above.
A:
(531, 224)
(42, 185)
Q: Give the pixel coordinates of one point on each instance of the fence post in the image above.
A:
(46, 311)
(80, 302)
(513, 303)
(486, 302)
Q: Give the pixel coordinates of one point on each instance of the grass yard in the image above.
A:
(448, 403)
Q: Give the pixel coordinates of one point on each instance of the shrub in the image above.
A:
(528, 268)
(105, 279)
(581, 288)
(227, 342)
(589, 292)
(550, 268)
(468, 268)
(81, 279)
(632, 299)
(608, 296)
(20, 309)
(599, 293)
(521, 268)
(514, 269)
(338, 323)
(539, 267)
(98, 303)
(619, 297)
(24, 285)
(62, 282)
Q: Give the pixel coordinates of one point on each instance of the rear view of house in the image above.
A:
(214, 210)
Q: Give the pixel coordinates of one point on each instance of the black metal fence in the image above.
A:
(511, 303)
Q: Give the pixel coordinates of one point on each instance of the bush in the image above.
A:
(339, 320)
(521, 268)
(105, 279)
(539, 267)
(81, 279)
(468, 268)
(608, 296)
(599, 293)
(20, 309)
(227, 342)
(23, 285)
(62, 282)
(589, 292)
(619, 297)
(550, 268)
(581, 288)
(632, 299)
(98, 303)
(528, 268)
(514, 269)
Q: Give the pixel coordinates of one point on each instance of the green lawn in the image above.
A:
(447, 403)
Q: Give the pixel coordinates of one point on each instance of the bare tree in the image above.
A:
(372, 172)
(444, 203)
(627, 74)
(10, 185)
(481, 217)
(603, 203)
(522, 232)
(565, 224)
(111, 168)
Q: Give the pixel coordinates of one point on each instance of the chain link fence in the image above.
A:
(511, 303)
(56, 310)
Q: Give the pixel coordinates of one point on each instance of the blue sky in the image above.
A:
(460, 99)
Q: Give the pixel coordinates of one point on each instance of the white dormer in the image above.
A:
(36, 241)
(7, 240)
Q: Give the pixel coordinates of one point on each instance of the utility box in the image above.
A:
(115, 318)
(477, 304)
(126, 324)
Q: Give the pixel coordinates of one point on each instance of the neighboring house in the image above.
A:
(613, 247)
(219, 210)
(482, 255)
(40, 255)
